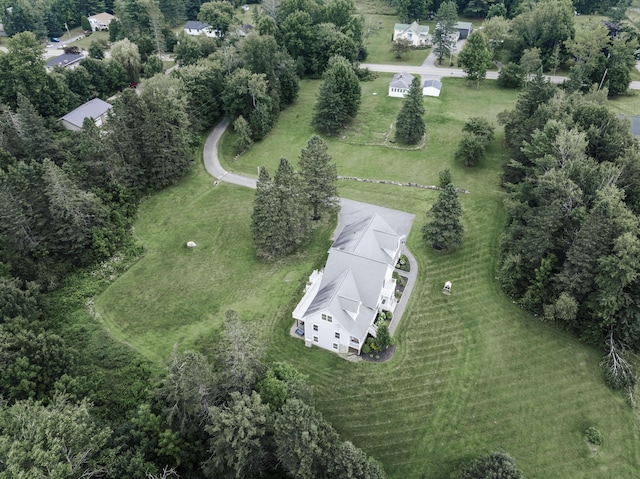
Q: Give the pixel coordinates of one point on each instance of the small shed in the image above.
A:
(95, 109)
(431, 88)
(399, 85)
(464, 29)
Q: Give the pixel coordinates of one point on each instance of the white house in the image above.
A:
(431, 88)
(416, 34)
(100, 21)
(194, 27)
(399, 84)
(341, 302)
(95, 109)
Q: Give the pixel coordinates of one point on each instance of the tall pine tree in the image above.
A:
(319, 177)
(280, 219)
(445, 230)
(339, 97)
(410, 126)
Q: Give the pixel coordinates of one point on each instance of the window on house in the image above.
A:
(337, 335)
(354, 340)
(315, 339)
(329, 318)
(335, 345)
(324, 317)
(315, 327)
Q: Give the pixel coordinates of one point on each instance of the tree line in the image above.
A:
(570, 251)
(235, 416)
(410, 10)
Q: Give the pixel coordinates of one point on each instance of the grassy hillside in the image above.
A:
(472, 373)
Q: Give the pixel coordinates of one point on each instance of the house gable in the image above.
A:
(95, 109)
(414, 33)
(100, 21)
(354, 285)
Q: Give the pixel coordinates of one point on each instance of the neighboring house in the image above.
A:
(464, 30)
(194, 27)
(100, 21)
(399, 85)
(634, 126)
(67, 60)
(341, 302)
(95, 109)
(417, 35)
(245, 7)
(431, 88)
(245, 30)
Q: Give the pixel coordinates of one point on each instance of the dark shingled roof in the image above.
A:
(64, 59)
(196, 25)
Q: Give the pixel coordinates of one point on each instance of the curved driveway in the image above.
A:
(400, 221)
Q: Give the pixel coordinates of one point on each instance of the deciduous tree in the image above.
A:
(496, 466)
(126, 54)
(475, 57)
(219, 15)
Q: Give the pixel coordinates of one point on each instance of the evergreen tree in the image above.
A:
(475, 57)
(243, 135)
(410, 125)
(319, 177)
(280, 222)
(240, 436)
(292, 210)
(339, 97)
(445, 230)
(305, 442)
(262, 218)
(446, 19)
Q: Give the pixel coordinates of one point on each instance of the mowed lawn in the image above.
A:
(472, 373)
(177, 297)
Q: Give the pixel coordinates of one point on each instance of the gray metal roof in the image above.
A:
(354, 275)
(401, 80)
(434, 83)
(64, 60)
(371, 238)
(195, 25)
(92, 109)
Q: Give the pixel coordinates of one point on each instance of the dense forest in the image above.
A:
(570, 252)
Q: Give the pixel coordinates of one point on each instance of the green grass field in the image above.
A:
(472, 373)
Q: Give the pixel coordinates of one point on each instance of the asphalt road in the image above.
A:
(443, 72)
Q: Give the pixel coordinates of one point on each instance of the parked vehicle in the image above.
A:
(55, 40)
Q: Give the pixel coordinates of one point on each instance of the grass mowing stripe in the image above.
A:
(472, 372)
